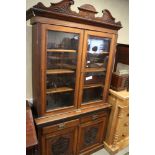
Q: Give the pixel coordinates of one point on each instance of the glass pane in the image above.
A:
(92, 94)
(62, 40)
(94, 78)
(61, 60)
(60, 80)
(62, 52)
(97, 52)
(57, 100)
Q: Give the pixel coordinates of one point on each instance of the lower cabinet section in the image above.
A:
(61, 143)
(60, 139)
(91, 135)
(76, 137)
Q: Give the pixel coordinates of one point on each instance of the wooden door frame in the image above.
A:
(44, 28)
(112, 51)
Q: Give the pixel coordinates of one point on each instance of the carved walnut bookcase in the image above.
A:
(72, 57)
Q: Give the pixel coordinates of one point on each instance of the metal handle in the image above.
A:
(61, 126)
(94, 117)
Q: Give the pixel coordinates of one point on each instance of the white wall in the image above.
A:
(118, 8)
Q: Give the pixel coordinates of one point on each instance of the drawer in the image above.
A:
(93, 117)
(60, 126)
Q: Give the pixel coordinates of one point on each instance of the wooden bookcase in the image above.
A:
(73, 55)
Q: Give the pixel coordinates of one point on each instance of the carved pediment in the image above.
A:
(62, 10)
(108, 18)
(87, 11)
(61, 7)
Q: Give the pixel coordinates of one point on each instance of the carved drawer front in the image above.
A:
(93, 117)
(91, 134)
(60, 126)
(61, 141)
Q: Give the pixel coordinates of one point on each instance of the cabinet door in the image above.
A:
(61, 55)
(97, 62)
(61, 142)
(91, 135)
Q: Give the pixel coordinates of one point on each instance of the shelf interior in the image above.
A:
(58, 90)
(87, 70)
(87, 86)
(61, 50)
(59, 71)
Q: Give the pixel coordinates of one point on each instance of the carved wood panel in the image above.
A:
(61, 146)
(62, 10)
(61, 142)
(91, 134)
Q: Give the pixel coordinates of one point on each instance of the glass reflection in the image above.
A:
(59, 100)
(92, 94)
(62, 40)
(97, 52)
(94, 78)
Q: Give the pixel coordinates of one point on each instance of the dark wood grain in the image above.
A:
(62, 10)
(62, 141)
(54, 119)
(31, 138)
(119, 83)
(91, 134)
(122, 54)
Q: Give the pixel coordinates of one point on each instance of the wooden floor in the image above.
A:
(125, 151)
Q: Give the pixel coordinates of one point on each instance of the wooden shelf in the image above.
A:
(61, 50)
(92, 101)
(104, 52)
(68, 66)
(94, 70)
(60, 58)
(92, 86)
(58, 90)
(59, 71)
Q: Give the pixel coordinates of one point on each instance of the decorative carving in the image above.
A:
(115, 140)
(87, 11)
(120, 113)
(86, 14)
(60, 146)
(116, 135)
(61, 7)
(90, 136)
(108, 18)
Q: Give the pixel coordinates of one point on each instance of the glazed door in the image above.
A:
(97, 58)
(61, 53)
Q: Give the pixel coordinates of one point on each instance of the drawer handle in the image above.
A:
(94, 117)
(61, 126)
(123, 135)
(125, 124)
